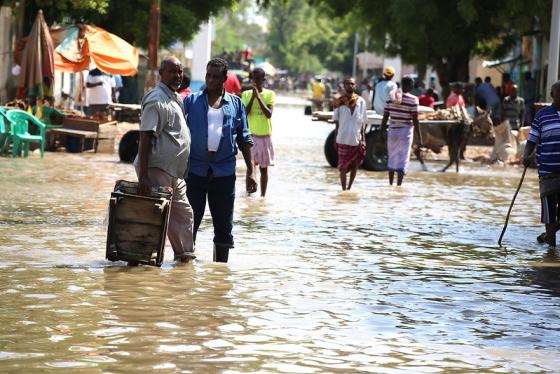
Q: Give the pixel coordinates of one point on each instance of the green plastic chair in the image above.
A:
(5, 135)
(50, 113)
(19, 123)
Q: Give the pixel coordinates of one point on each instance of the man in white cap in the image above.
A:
(384, 90)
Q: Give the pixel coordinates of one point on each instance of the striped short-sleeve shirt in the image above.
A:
(402, 114)
(545, 132)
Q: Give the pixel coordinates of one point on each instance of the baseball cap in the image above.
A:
(389, 71)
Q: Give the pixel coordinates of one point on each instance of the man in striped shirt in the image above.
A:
(403, 111)
(545, 137)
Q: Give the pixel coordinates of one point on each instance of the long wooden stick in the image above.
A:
(511, 205)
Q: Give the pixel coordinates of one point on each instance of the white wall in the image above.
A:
(201, 52)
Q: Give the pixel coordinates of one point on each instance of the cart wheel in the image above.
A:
(128, 146)
(330, 151)
(376, 152)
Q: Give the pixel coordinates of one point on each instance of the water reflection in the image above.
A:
(378, 279)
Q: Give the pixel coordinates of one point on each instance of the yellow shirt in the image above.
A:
(259, 124)
(318, 89)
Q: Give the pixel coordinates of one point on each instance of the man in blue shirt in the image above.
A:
(545, 137)
(218, 125)
(492, 102)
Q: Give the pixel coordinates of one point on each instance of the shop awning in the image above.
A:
(78, 46)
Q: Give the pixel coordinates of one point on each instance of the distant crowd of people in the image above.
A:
(503, 102)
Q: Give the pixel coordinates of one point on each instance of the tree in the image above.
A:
(235, 31)
(442, 33)
(180, 19)
(54, 10)
(304, 40)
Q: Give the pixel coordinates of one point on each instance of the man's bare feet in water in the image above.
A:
(185, 258)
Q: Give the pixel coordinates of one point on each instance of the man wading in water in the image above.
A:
(349, 117)
(218, 125)
(403, 112)
(544, 136)
(163, 154)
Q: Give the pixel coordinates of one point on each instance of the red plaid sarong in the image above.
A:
(348, 154)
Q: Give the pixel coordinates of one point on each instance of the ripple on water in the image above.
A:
(378, 279)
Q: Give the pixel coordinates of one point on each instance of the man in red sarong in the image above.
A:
(349, 117)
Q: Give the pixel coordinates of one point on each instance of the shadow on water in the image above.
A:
(546, 273)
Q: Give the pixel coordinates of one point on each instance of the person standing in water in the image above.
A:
(218, 126)
(543, 137)
(350, 116)
(403, 113)
(259, 103)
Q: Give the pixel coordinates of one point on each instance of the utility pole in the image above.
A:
(153, 46)
(355, 59)
(553, 48)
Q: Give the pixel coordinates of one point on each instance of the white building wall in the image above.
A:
(201, 52)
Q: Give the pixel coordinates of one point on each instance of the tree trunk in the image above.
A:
(452, 69)
(421, 69)
(153, 46)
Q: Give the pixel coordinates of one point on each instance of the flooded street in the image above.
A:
(378, 279)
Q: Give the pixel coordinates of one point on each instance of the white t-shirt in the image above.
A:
(100, 94)
(215, 123)
(383, 92)
(350, 124)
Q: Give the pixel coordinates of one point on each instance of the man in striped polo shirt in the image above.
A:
(545, 137)
(403, 111)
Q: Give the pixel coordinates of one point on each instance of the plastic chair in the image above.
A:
(50, 114)
(5, 135)
(19, 123)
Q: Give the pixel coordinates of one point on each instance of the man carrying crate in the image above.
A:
(163, 154)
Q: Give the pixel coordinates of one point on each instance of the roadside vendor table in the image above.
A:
(63, 134)
(82, 130)
(126, 112)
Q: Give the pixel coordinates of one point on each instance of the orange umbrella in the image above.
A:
(78, 46)
(37, 61)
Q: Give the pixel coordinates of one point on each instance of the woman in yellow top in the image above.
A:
(259, 103)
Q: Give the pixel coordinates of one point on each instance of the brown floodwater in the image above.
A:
(379, 279)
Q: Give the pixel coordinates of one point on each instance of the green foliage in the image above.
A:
(180, 19)
(304, 39)
(235, 31)
(443, 33)
(61, 5)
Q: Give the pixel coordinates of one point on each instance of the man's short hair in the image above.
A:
(555, 86)
(407, 83)
(218, 63)
(168, 60)
(258, 71)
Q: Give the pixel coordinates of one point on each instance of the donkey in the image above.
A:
(455, 136)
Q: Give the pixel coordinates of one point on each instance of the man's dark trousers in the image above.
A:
(220, 192)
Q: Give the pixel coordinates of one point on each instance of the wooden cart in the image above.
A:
(376, 146)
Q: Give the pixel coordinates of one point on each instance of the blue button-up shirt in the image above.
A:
(235, 132)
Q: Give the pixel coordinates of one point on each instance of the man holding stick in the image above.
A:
(545, 137)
